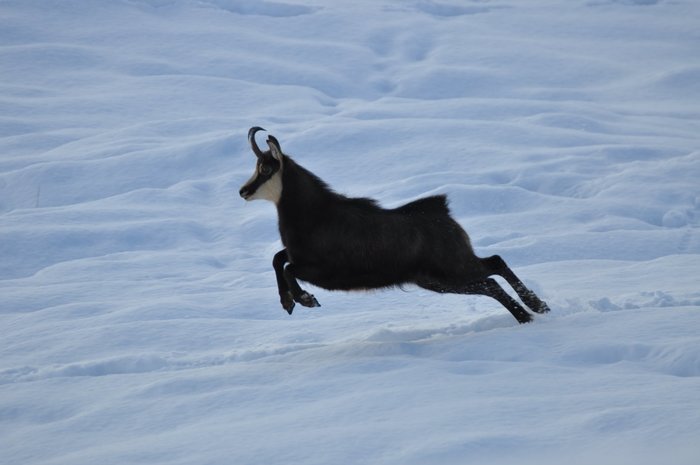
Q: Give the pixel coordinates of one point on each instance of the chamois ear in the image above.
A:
(275, 148)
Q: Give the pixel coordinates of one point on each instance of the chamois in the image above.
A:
(342, 243)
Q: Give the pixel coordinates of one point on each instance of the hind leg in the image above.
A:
(488, 287)
(496, 265)
(491, 288)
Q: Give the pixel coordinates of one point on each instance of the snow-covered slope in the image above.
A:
(139, 318)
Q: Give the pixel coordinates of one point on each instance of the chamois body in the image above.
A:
(342, 243)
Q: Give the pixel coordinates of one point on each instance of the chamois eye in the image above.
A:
(265, 170)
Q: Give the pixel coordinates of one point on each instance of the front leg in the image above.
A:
(286, 299)
(298, 294)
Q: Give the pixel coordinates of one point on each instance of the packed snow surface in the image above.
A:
(139, 316)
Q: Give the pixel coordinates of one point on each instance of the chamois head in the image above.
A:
(266, 182)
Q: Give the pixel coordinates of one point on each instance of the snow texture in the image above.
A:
(139, 316)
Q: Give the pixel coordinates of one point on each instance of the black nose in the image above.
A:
(243, 192)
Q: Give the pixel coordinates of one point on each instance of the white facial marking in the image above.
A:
(271, 190)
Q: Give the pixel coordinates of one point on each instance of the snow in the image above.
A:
(139, 312)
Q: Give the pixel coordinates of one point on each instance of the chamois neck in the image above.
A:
(302, 191)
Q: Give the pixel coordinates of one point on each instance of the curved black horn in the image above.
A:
(253, 145)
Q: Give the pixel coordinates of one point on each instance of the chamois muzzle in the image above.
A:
(244, 192)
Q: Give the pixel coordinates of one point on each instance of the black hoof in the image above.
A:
(307, 300)
(287, 302)
(541, 308)
(534, 302)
